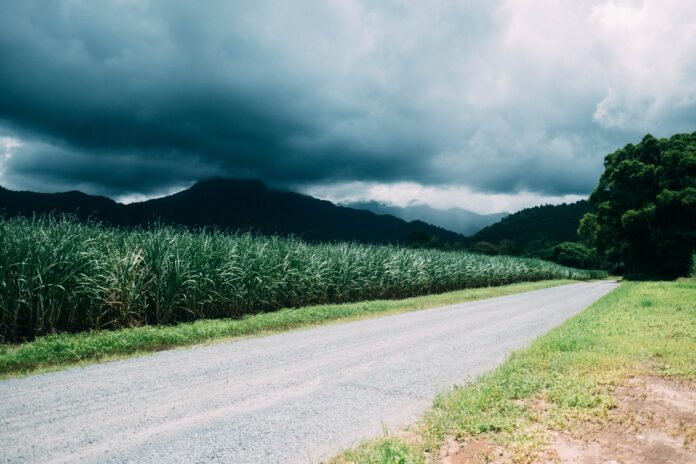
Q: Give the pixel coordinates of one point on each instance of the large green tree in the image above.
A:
(645, 218)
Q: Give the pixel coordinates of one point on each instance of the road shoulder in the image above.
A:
(55, 352)
(560, 399)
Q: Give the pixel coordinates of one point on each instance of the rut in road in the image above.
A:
(294, 397)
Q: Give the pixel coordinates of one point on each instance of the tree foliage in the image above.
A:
(548, 232)
(645, 219)
(575, 255)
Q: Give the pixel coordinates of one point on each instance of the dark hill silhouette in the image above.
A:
(232, 204)
(533, 231)
(80, 204)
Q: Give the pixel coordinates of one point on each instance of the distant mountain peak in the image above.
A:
(456, 219)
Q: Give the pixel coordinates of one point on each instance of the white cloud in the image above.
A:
(650, 52)
(408, 193)
(7, 146)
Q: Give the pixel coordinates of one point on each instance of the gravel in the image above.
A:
(295, 397)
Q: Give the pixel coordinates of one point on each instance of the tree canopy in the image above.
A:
(547, 232)
(645, 218)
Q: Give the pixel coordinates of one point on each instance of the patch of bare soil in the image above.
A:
(654, 422)
(480, 451)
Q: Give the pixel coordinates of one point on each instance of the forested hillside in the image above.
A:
(548, 231)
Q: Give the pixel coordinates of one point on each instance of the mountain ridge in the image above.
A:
(232, 205)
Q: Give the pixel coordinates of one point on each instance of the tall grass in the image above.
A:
(57, 274)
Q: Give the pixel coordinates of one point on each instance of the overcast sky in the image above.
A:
(487, 105)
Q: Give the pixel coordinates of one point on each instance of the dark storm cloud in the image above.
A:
(130, 96)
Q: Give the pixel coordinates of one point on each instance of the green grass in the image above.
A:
(389, 450)
(59, 275)
(642, 328)
(57, 351)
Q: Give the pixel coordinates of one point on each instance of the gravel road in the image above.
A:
(295, 397)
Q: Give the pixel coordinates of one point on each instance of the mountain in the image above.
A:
(233, 204)
(534, 229)
(459, 220)
(80, 204)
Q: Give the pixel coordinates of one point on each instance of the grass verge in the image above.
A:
(642, 328)
(59, 351)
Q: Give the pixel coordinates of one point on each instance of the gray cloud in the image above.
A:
(123, 97)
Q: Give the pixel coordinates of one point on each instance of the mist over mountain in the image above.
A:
(231, 205)
(458, 220)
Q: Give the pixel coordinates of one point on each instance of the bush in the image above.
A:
(575, 255)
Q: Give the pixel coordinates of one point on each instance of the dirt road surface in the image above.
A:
(295, 397)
